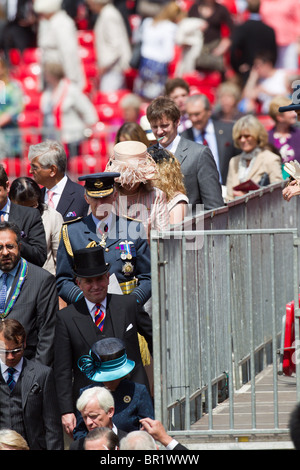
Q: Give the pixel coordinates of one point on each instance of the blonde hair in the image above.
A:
(170, 179)
(255, 128)
(171, 11)
(12, 440)
(276, 103)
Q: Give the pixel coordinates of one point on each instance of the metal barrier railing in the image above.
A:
(217, 307)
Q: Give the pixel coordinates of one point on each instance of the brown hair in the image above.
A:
(132, 131)
(12, 330)
(161, 107)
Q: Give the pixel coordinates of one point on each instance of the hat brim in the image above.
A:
(290, 107)
(91, 272)
(117, 373)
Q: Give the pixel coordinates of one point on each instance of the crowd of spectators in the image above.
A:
(156, 106)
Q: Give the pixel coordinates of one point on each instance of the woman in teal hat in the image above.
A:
(107, 365)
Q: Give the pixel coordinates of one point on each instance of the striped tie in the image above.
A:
(3, 292)
(99, 317)
(10, 379)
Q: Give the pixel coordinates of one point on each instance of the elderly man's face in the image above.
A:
(95, 417)
(40, 175)
(9, 250)
(101, 207)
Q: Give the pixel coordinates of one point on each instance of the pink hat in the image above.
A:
(133, 162)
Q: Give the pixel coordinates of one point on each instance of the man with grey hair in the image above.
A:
(48, 162)
(138, 440)
(214, 133)
(97, 407)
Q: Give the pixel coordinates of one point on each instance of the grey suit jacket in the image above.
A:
(40, 411)
(201, 177)
(226, 149)
(35, 308)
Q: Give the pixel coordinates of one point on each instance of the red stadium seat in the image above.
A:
(85, 164)
(288, 364)
(31, 55)
(14, 56)
(87, 54)
(30, 119)
(85, 38)
(16, 167)
(266, 120)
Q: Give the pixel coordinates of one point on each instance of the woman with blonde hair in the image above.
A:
(170, 181)
(255, 162)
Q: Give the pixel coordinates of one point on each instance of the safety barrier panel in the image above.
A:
(218, 297)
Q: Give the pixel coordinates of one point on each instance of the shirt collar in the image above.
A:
(106, 221)
(18, 367)
(173, 145)
(91, 305)
(60, 186)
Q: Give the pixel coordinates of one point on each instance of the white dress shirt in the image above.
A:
(57, 190)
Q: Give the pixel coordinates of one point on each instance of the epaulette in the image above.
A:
(72, 220)
(64, 234)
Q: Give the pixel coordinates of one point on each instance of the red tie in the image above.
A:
(99, 317)
(203, 138)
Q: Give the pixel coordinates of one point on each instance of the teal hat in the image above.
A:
(106, 361)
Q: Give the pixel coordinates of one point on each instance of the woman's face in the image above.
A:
(247, 142)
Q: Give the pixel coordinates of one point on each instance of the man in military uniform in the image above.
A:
(125, 242)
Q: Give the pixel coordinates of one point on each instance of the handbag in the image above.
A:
(136, 56)
(207, 60)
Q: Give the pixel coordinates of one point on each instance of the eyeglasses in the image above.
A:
(9, 247)
(11, 351)
(245, 136)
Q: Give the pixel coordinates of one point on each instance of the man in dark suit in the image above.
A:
(216, 134)
(249, 38)
(29, 221)
(198, 166)
(125, 242)
(97, 407)
(77, 329)
(19, 31)
(48, 167)
(29, 295)
(28, 401)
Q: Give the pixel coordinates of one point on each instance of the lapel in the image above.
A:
(114, 309)
(182, 150)
(83, 321)
(257, 165)
(66, 198)
(27, 380)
